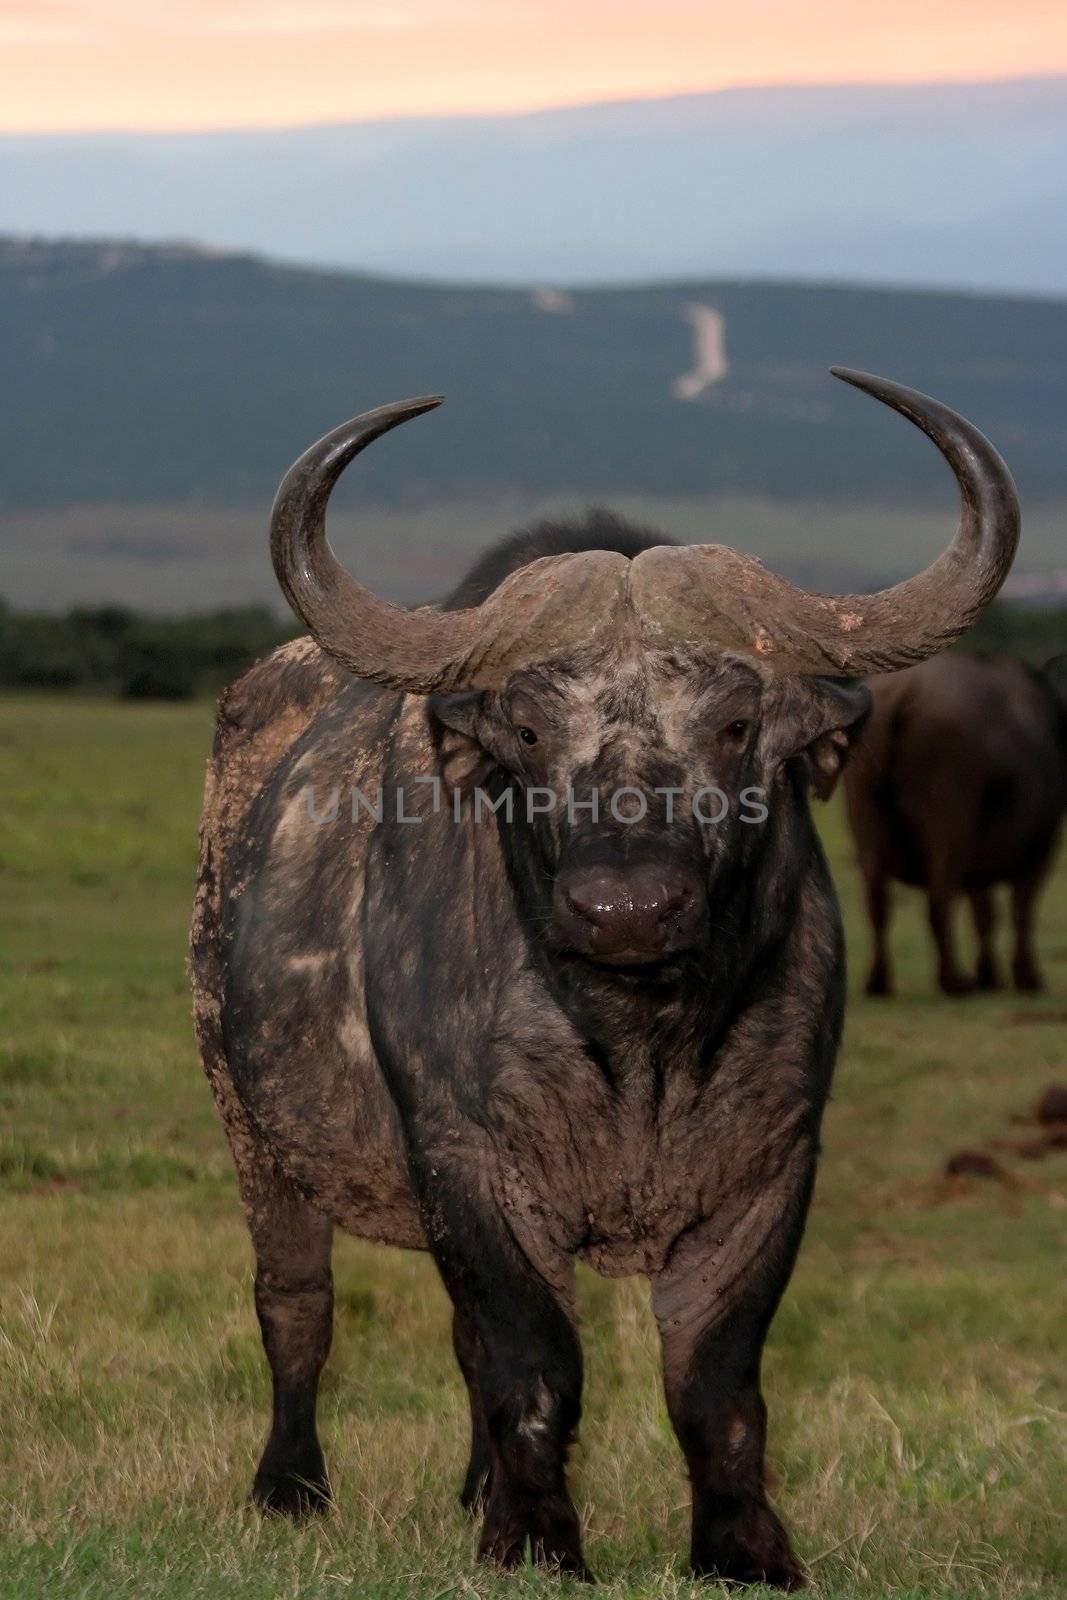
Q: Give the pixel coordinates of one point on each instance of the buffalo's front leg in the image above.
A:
(519, 1348)
(711, 1367)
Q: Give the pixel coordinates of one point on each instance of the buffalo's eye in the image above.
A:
(527, 736)
(738, 729)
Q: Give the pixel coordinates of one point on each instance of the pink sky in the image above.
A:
(92, 64)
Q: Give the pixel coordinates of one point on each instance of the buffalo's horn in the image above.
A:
(550, 604)
(713, 595)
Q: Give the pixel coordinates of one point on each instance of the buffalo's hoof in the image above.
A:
(564, 1562)
(752, 1548)
(987, 978)
(549, 1525)
(293, 1485)
(785, 1575)
(879, 984)
(1028, 980)
(565, 1565)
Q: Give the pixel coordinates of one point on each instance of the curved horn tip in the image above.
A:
(860, 380)
(404, 410)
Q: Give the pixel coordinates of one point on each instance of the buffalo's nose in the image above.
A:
(627, 916)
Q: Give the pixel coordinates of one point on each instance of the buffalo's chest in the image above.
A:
(611, 1172)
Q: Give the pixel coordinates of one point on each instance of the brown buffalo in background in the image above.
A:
(959, 783)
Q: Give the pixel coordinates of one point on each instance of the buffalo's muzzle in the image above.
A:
(628, 916)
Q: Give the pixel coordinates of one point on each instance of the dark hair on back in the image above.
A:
(596, 529)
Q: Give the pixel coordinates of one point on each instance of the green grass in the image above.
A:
(915, 1374)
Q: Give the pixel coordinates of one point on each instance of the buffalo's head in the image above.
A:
(639, 782)
(647, 708)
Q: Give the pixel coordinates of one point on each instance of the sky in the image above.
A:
(185, 64)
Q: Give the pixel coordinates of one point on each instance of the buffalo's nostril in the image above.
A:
(676, 903)
(674, 897)
(590, 905)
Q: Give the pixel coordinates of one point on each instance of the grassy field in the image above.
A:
(916, 1374)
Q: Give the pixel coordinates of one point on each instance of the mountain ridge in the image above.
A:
(951, 184)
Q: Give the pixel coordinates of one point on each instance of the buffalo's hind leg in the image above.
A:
(294, 1303)
(1026, 974)
(941, 896)
(983, 911)
(472, 1496)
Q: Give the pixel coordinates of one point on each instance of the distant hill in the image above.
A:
(937, 183)
(168, 375)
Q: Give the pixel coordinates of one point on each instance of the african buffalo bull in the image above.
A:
(960, 783)
(484, 967)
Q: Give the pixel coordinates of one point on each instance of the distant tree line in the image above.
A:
(140, 656)
(134, 655)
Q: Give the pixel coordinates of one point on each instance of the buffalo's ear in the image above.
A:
(817, 721)
(845, 707)
(458, 722)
